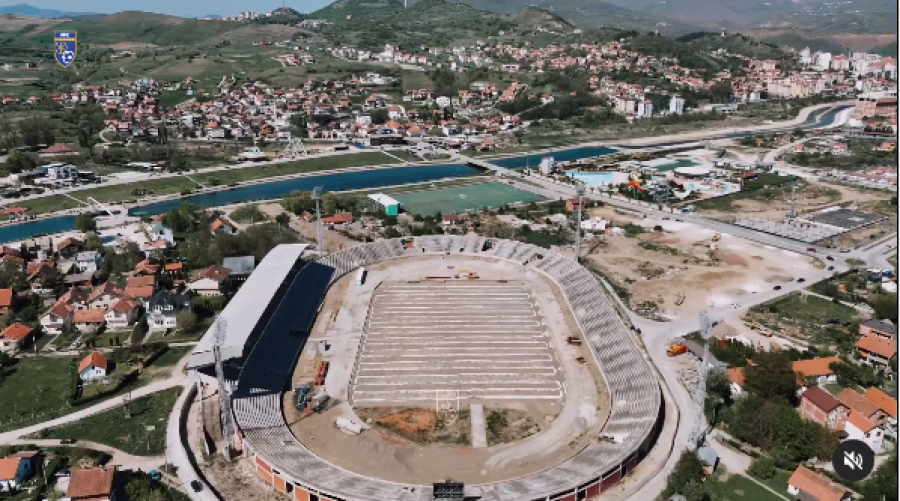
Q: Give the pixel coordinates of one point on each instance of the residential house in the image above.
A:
(16, 337)
(175, 271)
(339, 219)
(211, 281)
(69, 247)
(6, 299)
(41, 276)
(859, 427)
(855, 401)
(103, 296)
(144, 268)
(16, 469)
(885, 404)
(88, 261)
(93, 366)
(709, 458)
(55, 320)
(241, 267)
(818, 405)
(808, 485)
(89, 320)
(736, 376)
(92, 484)
(220, 227)
(140, 288)
(157, 231)
(122, 314)
(878, 328)
(162, 309)
(876, 350)
(818, 368)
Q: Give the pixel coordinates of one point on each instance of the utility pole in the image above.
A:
(317, 196)
(580, 191)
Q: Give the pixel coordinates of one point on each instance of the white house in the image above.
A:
(93, 366)
(122, 314)
(807, 484)
(859, 427)
(54, 321)
(156, 231)
(88, 261)
(15, 470)
(60, 171)
(162, 308)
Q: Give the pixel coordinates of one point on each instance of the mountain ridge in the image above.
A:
(27, 10)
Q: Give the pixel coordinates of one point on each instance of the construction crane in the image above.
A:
(224, 396)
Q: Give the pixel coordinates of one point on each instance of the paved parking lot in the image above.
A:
(485, 339)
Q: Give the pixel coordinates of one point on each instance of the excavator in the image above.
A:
(676, 349)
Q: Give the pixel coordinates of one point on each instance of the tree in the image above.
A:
(772, 375)
(186, 320)
(20, 162)
(688, 469)
(882, 484)
(885, 306)
(9, 136)
(762, 468)
(283, 219)
(85, 223)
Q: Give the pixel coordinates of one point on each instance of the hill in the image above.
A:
(535, 17)
(139, 27)
(30, 11)
(372, 23)
(594, 14)
(818, 16)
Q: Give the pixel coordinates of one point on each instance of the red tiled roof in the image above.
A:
(816, 485)
(94, 358)
(215, 272)
(861, 422)
(736, 375)
(17, 331)
(141, 281)
(8, 468)
(90, 316)
(815, 366)
(857, 402)
(6, 298)
(91, 482)
(820, 398)
(340, 217)
(880, 346)
(883, 401)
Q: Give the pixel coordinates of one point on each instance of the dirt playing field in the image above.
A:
(412, 443)
(682, 264)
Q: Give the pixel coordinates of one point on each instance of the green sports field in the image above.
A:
(459, 199)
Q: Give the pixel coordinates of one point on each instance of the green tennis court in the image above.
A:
(459, 199)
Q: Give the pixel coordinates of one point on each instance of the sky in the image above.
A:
(173, 7)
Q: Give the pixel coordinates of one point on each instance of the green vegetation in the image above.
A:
(126, 428)
(172, 356)
(177, 185)
(739, 488)
(804, 318)
(129, 26)
(247, 214)
(35, 389)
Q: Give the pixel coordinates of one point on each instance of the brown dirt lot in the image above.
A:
(678, 264)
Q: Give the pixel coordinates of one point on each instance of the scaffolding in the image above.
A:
(294, 149)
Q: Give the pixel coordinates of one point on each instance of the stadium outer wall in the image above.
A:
(587, 486)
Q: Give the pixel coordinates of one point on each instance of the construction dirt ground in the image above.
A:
(413, 443)
(675, 273)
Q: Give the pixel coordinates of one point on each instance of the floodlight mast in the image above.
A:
(580, 191)
(317, 196)
(224, 397)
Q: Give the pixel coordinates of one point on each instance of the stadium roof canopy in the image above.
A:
(248, 305)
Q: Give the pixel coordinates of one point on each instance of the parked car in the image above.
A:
(196, 485)
(777, 287)
(829, 258)
(67, 441)
(830, 268)
(801, 280)
(810, 249)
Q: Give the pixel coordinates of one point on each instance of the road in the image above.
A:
(120, 458)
